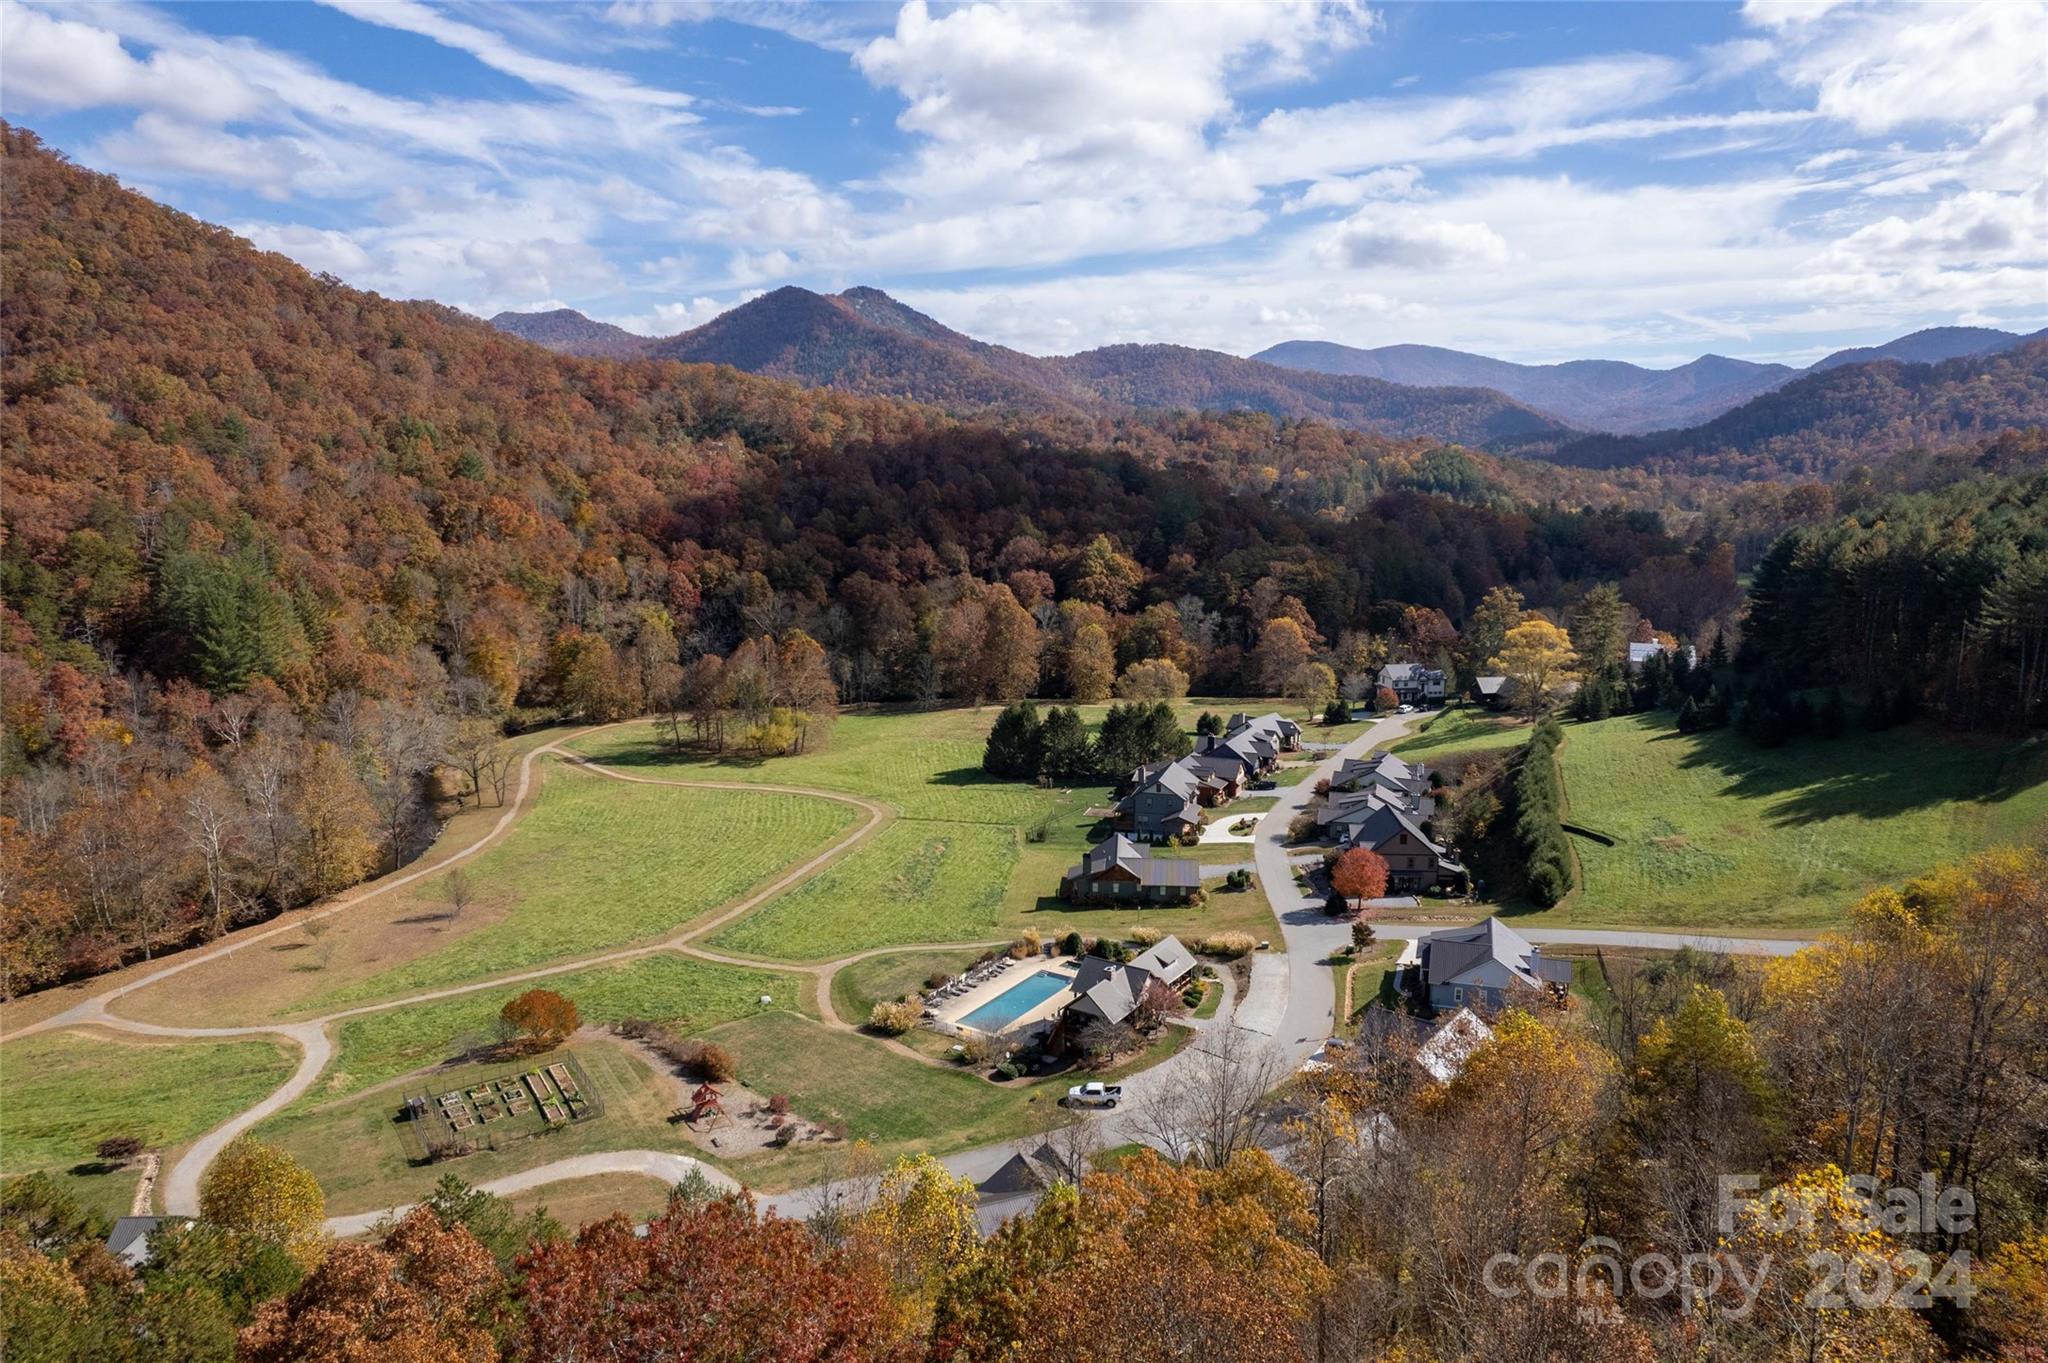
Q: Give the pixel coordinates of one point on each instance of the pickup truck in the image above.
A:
(1094, 1095)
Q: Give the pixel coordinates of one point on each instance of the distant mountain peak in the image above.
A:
(568, 332)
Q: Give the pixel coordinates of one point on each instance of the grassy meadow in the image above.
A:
(1712, 832)
(68, 1091)
(601, 863)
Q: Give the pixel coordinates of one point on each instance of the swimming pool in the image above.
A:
(1014, 1002)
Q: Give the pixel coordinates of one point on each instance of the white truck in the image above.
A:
(1094, 1095)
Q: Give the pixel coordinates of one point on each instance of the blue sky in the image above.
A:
(1535, 181)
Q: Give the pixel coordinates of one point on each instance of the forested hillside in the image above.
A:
(275, 548)
(568, 332)
(1945, 593)
(1827, 422)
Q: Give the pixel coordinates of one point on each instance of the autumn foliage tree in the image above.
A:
(260, 1190)
(424, 1292)
(1360, 873)
(708, 1280)
(539, 1018)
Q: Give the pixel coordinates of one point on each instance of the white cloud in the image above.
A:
(1887, 67)
(585, 82)
(58, 64)
(1376, 239)
(1395, 182)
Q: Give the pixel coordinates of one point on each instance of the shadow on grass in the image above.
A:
(1865, 776)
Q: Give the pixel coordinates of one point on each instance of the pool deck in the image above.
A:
(950, 1013)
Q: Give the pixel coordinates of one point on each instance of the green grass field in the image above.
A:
(693, 995)
(959, 864)
(887, 1099)
(357, 1147)
(1713, 832)
(599, 863)
(68, 1091)
(858, 987)
(1462, 729)
(918, 880)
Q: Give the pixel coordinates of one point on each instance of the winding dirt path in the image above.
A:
(180, 1186)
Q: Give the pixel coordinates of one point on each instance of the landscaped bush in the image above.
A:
(894, 1019)
(1227, 944)
(702, 1060)
(778, 1103)
(1027, 944)
(1303, 827)
(1070, 944)
(938, 979)
(1238, 880)
(1146, 937)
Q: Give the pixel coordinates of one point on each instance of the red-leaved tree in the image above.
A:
(709, 1281)
(1359, 874)
(540, 1016)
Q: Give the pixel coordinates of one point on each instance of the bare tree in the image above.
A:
(232, 720)
(475, 743)
(212, 820)
(457, 890)
(1218, 1107)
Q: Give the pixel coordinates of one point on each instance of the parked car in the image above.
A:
(1405, 710)
(1265, 785)
(1095, 1094)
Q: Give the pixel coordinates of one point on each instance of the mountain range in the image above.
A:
(1740, 415)
(1615, 397)
(863, 341)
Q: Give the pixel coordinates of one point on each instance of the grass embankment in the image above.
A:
(859, 986)
(1713, 833)
(68, 1091)
(1461, 729)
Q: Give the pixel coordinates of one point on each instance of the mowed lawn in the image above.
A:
(602, 863)
(65, 1092)
(970, 856)
(1712, 832)
(917, 880)
(690, 994)
(895, 1103)
(859, 986)
(1463, 729)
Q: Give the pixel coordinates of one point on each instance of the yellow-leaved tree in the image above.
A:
(1537, 656)
(923, 1230)
(260, 1190)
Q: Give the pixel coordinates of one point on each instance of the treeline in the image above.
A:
(1543, 849)
(165, 817)
(1687, 1168)
(1939, 598)
(1024, 746)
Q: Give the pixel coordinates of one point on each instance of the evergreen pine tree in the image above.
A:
(1014, 743)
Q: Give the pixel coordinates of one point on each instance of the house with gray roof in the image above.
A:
(1118, 870)
(1164, 805)
(1286, 733)
(1384, 772)
(1495, 693)
(128, 1241)
(1480, 965)
(1414, 683)
(1415, 861)
(1109, 991)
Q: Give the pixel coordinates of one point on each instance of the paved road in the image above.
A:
(1305, 1010)
(662, 1164)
